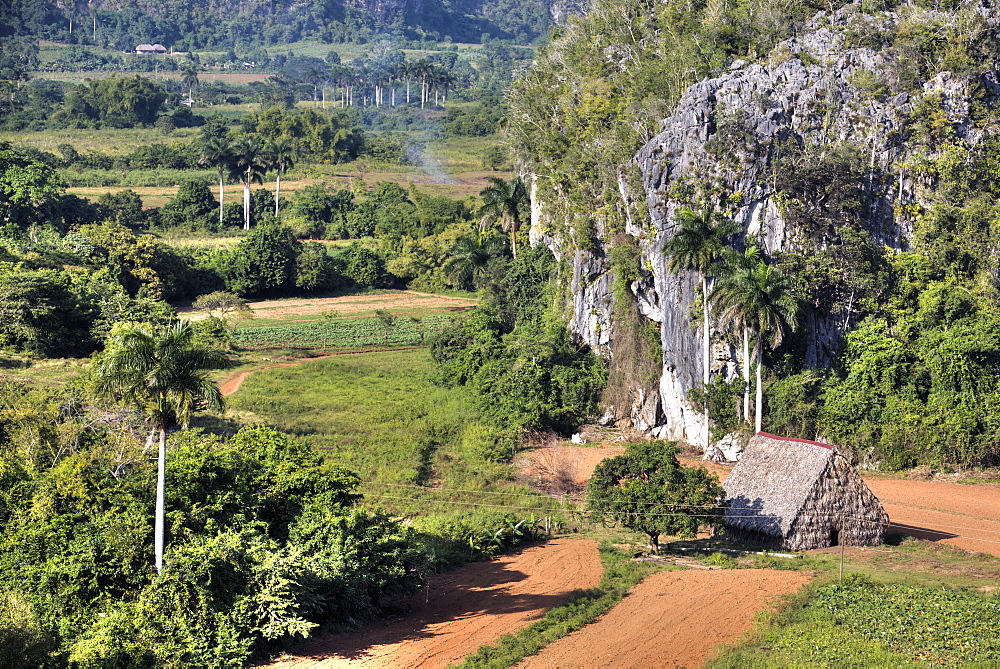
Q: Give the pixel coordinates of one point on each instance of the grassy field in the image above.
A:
(113, 142)
(420, 448)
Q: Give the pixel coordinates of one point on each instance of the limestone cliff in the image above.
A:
(819, 92)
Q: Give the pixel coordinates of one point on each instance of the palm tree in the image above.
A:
(755, 297)
(406, 71)
(250, 162)
(504, 201)
(696, 246)
(423, 69)
(471, 258)
(218, 152)
(734, 262)
(281, 155)
(189, 78)
(162, 371)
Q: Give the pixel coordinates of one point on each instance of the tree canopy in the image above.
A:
(647, 490)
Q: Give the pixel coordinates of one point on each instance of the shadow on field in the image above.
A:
(476, 589)
(924, 533)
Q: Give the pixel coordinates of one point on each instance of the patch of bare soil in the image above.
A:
(347, 305)
(672, 619)
(560, 468)
(966, 516)
(464, 610)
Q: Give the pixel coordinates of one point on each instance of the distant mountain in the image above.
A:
(224, 24)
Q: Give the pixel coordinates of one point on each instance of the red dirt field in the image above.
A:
(672, 619)
(465, 609)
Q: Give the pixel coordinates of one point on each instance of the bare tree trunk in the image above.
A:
(760, 394)
(222, 192)
(746, 374)
(706, 351)
(277, 192)
(246, 205)
(161, 480)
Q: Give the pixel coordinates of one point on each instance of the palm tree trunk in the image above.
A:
(246, 204)
(221, 196)
(161, 480)
(746, 374)
(277, 191)
(760, 395)
(706, 351)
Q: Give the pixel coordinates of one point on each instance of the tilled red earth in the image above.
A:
(672, 619)
(464, 609)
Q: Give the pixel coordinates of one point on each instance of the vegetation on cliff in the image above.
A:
(915, 378)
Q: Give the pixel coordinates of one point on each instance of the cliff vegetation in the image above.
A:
(854, 145)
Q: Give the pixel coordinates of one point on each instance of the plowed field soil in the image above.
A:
(671, 619)
(348, 305)
(464, 610)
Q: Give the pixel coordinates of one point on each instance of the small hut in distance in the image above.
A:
(795, 494)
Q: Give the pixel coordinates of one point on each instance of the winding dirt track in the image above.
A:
(671, 619)
(465, 609)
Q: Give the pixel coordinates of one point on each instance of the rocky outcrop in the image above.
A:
(814, 91)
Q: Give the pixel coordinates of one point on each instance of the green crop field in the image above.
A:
(361, 333)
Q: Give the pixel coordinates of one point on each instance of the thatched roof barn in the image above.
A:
(795, 494)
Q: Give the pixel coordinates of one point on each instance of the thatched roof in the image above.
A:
(772, 481)
(800, 494)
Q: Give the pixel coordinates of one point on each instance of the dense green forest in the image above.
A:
(187, 26)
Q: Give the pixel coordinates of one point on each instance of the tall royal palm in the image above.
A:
(734, 262)
(281, 155)
(250, 162)
(505, 201)
(161, 370)
(218, 153)
(756, 297)
(697, 246)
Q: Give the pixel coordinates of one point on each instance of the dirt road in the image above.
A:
(671, 619)
(465, 609)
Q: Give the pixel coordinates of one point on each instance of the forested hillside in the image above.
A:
(215, 24)
(841, 162)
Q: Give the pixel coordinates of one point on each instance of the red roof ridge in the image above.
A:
(795, 439)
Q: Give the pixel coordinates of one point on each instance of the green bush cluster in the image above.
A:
(524, 371)
(264, 543)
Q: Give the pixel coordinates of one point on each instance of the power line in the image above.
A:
(728, 514)
(626, 502)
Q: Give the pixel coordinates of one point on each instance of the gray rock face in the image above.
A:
(816, 91)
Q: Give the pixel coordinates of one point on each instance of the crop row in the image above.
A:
(340, 334)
